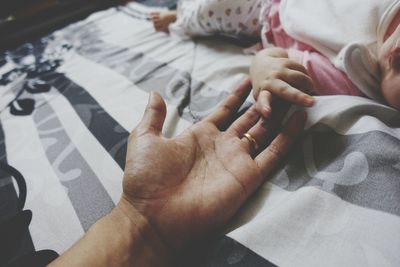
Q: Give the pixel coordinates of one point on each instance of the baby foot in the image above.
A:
(161, 20)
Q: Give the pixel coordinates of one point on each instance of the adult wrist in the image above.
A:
(147, 248)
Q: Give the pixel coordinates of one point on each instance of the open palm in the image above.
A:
(191, 185)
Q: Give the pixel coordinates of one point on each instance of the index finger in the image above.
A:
(270, 158)
(286, 91)
(230, 106)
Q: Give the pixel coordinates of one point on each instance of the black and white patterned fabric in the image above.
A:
(69, 100)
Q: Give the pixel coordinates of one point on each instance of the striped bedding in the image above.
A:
(69, 100)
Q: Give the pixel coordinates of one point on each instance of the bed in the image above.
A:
(69, 100)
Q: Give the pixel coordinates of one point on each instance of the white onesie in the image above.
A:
(348, 32)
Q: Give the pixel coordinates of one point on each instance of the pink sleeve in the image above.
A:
(327, 79)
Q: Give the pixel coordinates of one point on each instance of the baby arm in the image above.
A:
(273, 73)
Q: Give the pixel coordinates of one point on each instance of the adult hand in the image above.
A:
(188, 186)
(180, 189)
(273, 73)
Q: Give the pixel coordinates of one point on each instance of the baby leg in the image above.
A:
(228, 17)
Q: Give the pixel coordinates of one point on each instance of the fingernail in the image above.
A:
(266, 111)
(309, 101)
(150, 98)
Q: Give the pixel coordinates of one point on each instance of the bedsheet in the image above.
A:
(69, 100)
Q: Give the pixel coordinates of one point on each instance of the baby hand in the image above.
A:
(273, 73)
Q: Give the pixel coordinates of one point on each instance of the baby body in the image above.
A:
(317, 35)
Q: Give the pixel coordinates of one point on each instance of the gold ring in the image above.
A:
(252, 140)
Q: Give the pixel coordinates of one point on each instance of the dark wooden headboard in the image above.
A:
(24, 20)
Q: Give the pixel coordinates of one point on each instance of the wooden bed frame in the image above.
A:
(21, 23)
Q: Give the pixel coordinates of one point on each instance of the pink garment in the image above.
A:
(327, 79)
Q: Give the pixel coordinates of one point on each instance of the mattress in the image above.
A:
(69, 101)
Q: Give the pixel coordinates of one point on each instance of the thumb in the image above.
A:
(154, 115)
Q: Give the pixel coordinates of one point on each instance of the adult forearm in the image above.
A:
(118, 239)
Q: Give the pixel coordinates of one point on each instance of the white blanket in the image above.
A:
(336, 202)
